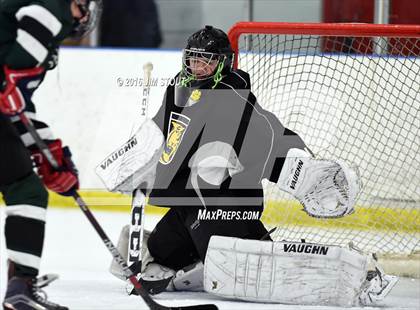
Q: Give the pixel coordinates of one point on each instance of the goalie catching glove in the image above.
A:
(325, 188)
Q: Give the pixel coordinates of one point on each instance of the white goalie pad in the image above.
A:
(134, 162)
(189, 278)
(284, 272)
(325, 188)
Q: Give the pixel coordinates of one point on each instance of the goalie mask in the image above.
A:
(206, 57)
(91, 11)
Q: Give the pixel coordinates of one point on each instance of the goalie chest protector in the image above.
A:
(225, 114)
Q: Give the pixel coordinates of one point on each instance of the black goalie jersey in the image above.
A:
(229, 113)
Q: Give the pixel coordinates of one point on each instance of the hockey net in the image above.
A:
(352, 92)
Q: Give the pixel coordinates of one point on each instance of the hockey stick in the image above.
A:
(135, 239)
(138, 204)
(134, 257)
(153, 305)
(135, 236)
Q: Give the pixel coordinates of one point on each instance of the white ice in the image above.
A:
(74, 251)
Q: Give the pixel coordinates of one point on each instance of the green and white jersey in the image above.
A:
(30, 29)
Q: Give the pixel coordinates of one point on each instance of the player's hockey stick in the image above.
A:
(153, 305)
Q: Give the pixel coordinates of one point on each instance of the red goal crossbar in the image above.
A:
(332, 29)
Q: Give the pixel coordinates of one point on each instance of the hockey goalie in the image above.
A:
(210, 145)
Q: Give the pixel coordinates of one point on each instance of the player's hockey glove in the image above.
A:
(18, 87)
(63, 180)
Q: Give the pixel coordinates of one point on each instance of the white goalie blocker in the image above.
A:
(325, 188)
(289, 273)
(133, 163)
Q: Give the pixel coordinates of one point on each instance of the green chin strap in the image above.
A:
(218, 75)
(186, 80)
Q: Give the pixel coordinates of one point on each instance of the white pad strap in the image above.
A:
(134, 162)
(284, 272)
(325, 188)
(189, 278)
(213, 162)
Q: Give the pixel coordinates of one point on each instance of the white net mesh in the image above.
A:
(352, 98)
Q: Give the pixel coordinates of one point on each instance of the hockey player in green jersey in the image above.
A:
(30, 32)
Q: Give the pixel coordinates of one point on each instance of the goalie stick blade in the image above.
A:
(153, 305)
(153, 287)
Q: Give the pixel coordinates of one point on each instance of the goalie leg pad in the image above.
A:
(284, 272)
(122, 247)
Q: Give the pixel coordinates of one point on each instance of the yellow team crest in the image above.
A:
(178, 124)
(195, 95)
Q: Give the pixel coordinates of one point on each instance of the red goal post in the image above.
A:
(352, 92)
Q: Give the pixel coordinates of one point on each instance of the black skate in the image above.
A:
(26, 294)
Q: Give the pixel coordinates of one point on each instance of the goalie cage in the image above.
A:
(352, 92)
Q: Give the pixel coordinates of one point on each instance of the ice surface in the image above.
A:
(74, 251)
